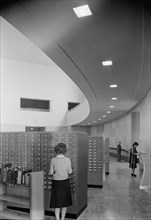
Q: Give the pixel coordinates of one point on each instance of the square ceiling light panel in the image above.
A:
(82, 11)
(107, 63)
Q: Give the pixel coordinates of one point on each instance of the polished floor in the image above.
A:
(120, 198)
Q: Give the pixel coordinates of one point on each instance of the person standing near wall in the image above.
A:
(119, 149)
(133, 160)
(60, 168)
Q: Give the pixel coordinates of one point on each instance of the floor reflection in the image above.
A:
(120, 198)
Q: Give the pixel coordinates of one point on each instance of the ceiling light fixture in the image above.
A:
(107, 63)
(112, 106)
(94, 121)
(114, 98)
(113, 86)
(82, 11)
(108, 112)
(99, 119)
(104, 116)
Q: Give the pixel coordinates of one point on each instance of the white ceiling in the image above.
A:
(118, 30)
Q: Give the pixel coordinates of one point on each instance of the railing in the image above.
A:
(146, 177)
(124, 153)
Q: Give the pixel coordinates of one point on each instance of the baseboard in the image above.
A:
(19, 209)
(51, 213)
(95, 186)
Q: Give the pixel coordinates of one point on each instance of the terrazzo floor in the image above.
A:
(120, 198)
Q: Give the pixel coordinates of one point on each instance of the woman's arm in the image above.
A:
(51, 170)
(69, 167)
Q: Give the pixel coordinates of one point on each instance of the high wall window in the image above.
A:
(34, 104)
(72, 105)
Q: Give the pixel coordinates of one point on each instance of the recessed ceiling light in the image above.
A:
(82, 11)
(113, 86)
(108, 112)
(107, 63)
(94, 121)
(99, 119)
(114, 98)
(112, 106)
(104, 116)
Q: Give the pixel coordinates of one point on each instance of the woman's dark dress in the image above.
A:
(60, 194)
(133, 158)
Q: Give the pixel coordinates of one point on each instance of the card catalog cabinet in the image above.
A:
(34, 150)
(95, 161)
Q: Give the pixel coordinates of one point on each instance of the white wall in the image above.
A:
(78, 113)
(125, 129)
(119, 130)
(31, 80)
(145, 123)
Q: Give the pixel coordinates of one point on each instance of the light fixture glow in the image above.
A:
(107, 63)
(108, 112)
(112, 106)
(113, 86)
(104, 116)
(94, 121)
(82, 11)
(114, 98)
(99, 119)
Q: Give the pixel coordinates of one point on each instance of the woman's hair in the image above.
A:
(60, 148)
(135, 143)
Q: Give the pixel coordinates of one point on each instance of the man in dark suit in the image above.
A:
(119, 148)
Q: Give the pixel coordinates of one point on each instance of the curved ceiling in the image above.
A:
(117, 30)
